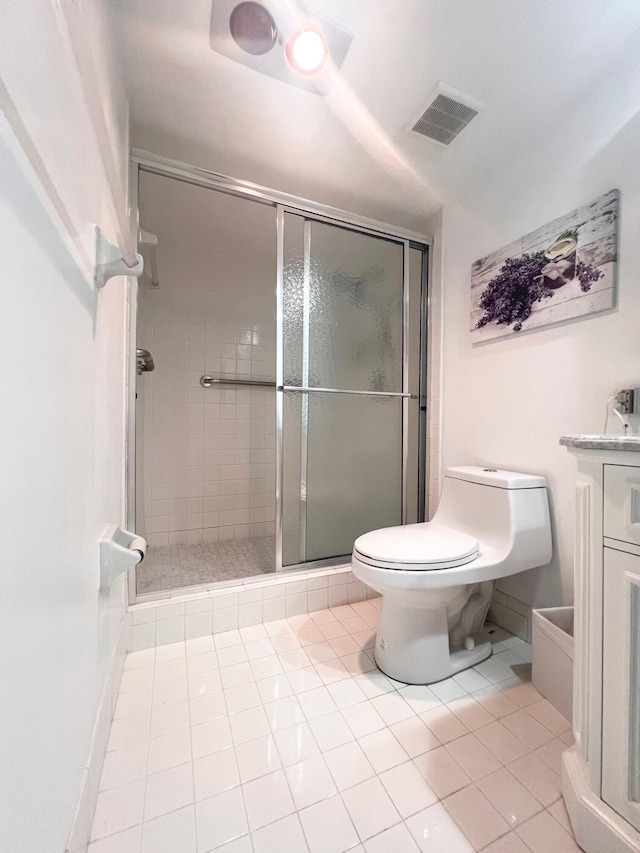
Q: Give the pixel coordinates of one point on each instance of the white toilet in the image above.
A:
(437, 578)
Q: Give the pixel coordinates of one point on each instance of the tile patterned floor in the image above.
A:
(285, 738)
(179, 566)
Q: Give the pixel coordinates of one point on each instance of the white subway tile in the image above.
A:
(274, 589)
(296, 605)
(198, 605)
(317, 599)
(296, 587)
(142, 637)
(273, 609)
(225, 600)
(357, 591)
(141, 617)
(250, 595)
(519, 606)
(170, 630)
(170, 611)
(198, 625)
(225, 620)
(250, 614)
(338, 595)
(515, 623)
(157, 539)
(496, 613)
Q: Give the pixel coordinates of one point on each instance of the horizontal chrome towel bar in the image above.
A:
(304, 390)
(208, 381)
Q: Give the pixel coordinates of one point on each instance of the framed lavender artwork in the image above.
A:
(566, 269)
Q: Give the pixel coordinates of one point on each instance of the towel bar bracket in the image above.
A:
(110, 263)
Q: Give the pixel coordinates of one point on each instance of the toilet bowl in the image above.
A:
(436, 578)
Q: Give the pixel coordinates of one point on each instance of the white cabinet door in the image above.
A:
(622, 503)
(621, 685)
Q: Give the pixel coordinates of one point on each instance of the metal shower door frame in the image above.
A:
(305, 390)
(142, 160)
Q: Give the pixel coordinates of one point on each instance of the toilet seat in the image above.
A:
(416, 547)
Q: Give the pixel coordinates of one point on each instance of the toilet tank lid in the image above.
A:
(496, 477)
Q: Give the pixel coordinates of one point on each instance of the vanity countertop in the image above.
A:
(602, 442)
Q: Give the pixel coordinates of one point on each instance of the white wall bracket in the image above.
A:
(110, 263)
(120, 551)
(146, 238)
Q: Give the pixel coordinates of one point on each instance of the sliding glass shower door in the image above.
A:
(286, 414)
(345, 407)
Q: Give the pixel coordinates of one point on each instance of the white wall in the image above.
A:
(508, 402)
(61, 432)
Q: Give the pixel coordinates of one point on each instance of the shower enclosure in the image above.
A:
(286, 413)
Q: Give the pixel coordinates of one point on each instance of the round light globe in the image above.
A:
(307, 52)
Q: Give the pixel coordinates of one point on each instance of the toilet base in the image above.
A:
(459, 659)
(412, 642)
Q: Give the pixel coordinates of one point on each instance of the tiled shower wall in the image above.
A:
(206, 456)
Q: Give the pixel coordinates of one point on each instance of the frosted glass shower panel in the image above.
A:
(339, 479)
(343, 308)
(342, 449)
(354, 470)
(295, 302)
(293, 462)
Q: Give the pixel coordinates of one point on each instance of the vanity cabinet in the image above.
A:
(621, 641)
(621, 684)
(601, 772)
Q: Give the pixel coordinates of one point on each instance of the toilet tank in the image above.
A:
(506, 511)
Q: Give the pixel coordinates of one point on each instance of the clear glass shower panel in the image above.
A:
(343, 308)
(206, 439)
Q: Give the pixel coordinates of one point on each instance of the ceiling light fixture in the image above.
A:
(282, 39)
(253, 29)
(307, 53)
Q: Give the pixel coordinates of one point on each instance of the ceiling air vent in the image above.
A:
(448, 112)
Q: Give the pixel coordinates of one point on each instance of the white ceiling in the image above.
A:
(530, 62)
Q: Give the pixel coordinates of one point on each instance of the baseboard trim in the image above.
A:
(511, 614)
(81, 829)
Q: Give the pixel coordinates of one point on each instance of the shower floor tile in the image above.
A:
(179, 566)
